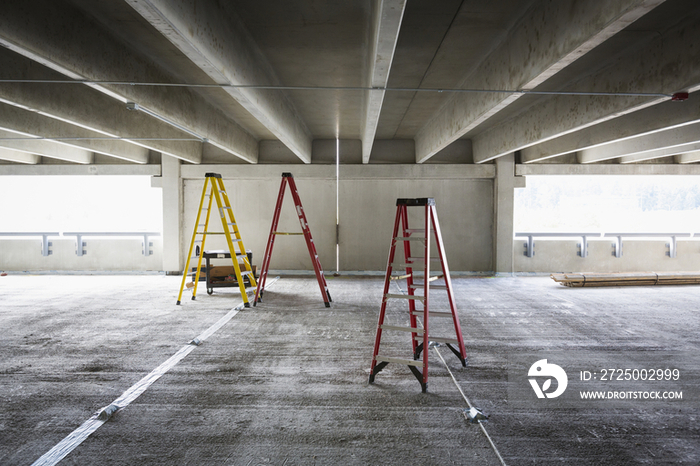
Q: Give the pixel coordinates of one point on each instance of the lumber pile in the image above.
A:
(626, 279)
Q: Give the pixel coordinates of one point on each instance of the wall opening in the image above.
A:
(80, 203)
(630, 204)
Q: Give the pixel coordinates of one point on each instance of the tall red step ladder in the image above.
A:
(421, 338)
(288, 179)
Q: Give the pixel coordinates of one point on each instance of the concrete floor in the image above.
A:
(285, 383)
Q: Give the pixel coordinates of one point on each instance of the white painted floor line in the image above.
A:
(481, 425)
(75, 438)
(483, 429)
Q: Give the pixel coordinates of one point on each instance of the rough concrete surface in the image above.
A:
(285, 382)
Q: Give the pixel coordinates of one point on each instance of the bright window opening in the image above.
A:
(607, 204)
(80, 203)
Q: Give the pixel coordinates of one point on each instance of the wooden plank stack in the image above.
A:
(626, 279)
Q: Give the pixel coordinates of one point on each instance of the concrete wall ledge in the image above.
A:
(102, 255)
(637, 256)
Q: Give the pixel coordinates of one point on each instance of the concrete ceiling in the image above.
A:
(244, 81)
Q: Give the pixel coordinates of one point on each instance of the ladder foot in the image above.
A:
(328, 304)
(246, 304)
(193, 298)
(463, 360)
(177, 303)
(328, 293)
(377, 368)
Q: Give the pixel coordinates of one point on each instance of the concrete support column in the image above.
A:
(172, 215)
(503, 201)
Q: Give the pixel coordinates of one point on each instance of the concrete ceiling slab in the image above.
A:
(320, 53)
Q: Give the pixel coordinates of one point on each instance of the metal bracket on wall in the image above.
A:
(583, 247)
(46, 246)
(671, 248)
(530, 246)
(617, 247)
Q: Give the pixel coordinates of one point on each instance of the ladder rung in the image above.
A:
(399, 277)
(403, 296)
(231, 224)
(421, 259)
(409, 362)
(409, 238)
(406, 266)
(432, 287)
(433, 314)
(402, 329)
(286, 233)
(246, 272)
(416, 230)
(439, 340)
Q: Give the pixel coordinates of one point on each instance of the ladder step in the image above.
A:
(416, 230)
(402, 329)
(432, 287)
(409, 362)
(400, 265)
(433, 314)
(409, 238)
(403, 296)
(439, 340)
(421, 259)
(286, 233)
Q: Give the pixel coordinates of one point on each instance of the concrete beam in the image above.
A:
(347, 172)
(64, 39)
(122, 169)
(12, 155)
(32, 124)
(216, 40)
(689, 157)
(605, 169)
(45, 148)
(660, 153)
(645, 147)
(386, 23)
(550, 37)
(672, 70)
(89, 109)
(665, 116)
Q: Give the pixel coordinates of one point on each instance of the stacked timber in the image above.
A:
(627, 279)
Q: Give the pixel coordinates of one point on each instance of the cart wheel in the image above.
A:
(210, 290)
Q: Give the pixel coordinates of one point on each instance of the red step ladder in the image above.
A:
(288, 179)
(421, 339)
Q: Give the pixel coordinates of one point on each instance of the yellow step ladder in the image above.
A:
(214, 189)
